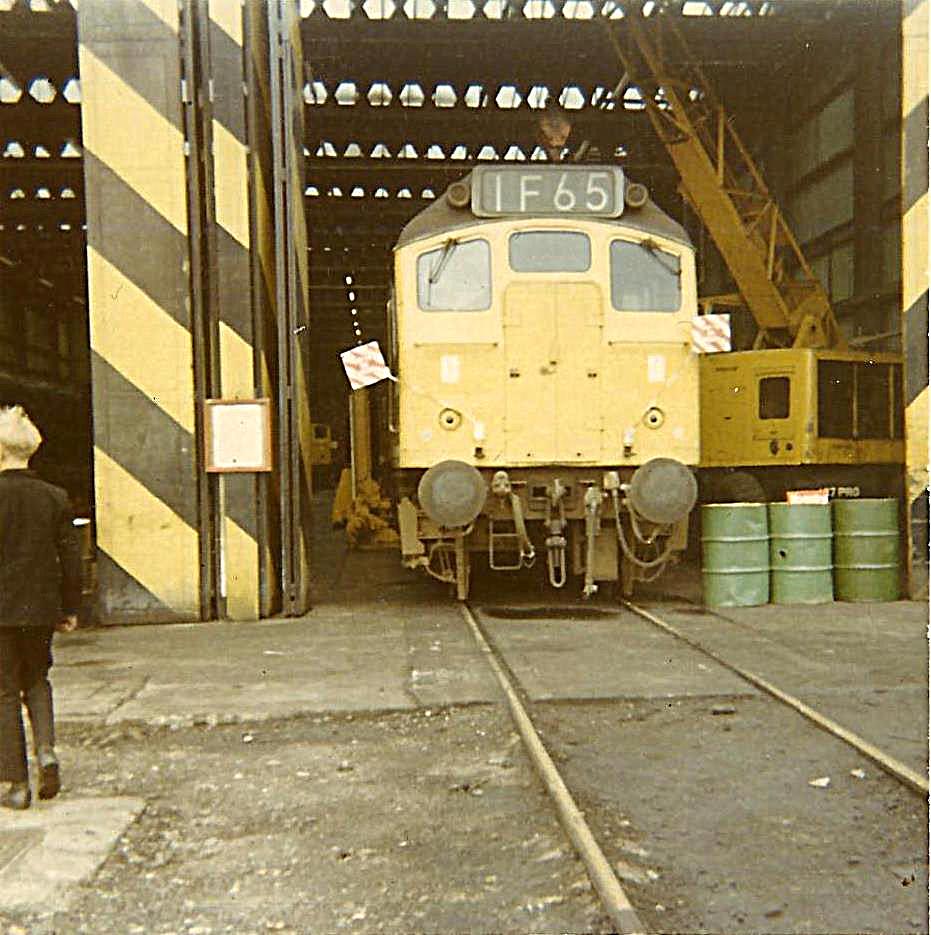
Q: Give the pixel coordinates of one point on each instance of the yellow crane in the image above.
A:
(800, 409)
(728, 192)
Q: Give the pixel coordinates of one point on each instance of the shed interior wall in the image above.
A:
(398, 102)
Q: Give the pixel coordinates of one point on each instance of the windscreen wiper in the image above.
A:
(445, 256)
(659, 254)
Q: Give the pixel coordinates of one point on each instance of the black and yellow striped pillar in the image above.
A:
(145, 450)
(193, 228)
(915, 283)
(240, 374)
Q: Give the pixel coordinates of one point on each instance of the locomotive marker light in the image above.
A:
(573, 190)
(450, 419)
(654, 417)
(458, 194)
(636, 195)
(452, 493)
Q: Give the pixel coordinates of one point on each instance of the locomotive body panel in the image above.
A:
(542, 364)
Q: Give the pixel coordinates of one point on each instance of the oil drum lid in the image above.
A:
(662, 490)
(452, 493)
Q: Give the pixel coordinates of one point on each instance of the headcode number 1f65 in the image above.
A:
(509, 190)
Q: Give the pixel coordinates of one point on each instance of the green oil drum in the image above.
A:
(800, 553)
(735, 554)
(866, 549)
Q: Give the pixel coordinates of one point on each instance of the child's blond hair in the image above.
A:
(19, 438)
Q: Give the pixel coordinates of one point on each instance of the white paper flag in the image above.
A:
(365, 365)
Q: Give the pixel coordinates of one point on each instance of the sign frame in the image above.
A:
(264, 465)
(550, 171)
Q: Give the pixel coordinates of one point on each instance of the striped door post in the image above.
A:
(145, 451)
(240, 377)
(300, 333)
(263, 274)
(291, 301)
(915, 283)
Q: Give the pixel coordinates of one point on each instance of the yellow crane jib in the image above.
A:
(727, 191)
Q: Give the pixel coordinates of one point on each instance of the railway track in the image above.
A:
(616, 902)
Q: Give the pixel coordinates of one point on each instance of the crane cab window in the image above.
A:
(455, 277)
(873, 408)
(644, 277)
(550, 252)
(774, 398)
(859, 399)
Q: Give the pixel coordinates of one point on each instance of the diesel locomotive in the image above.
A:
(546, 406)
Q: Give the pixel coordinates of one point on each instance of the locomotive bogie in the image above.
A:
(605, 526)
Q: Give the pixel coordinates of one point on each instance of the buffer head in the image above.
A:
(452, 493)
(662, 490)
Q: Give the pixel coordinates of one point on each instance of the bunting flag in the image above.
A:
(365, 365)
(711, 334)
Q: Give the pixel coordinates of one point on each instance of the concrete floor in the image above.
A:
(383, 639)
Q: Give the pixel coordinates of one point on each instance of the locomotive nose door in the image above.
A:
(552, 334)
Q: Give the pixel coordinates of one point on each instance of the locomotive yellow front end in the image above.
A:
(546, 408)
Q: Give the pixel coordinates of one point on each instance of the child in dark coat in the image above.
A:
(40, 592)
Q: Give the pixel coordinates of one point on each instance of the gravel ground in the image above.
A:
(723, 831)
(427, 822)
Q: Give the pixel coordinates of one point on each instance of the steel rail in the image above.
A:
(889, 764)
(603, 878)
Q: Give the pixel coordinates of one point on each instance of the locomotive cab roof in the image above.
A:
(442, 216)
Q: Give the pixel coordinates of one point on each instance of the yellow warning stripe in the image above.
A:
(227, 14)
(231, 171)
(165, 10)
(144, 457)
(241, 552)
(915, 253)
(914, 57)
(151, 542)
(242, 572)
(236, 370)
(138, 338)
(915, 264)
(142, 147)
(916, 445)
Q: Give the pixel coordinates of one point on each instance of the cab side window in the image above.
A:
(774, 398)
(455, 277)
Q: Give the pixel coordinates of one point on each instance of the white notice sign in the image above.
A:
(238, 435)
